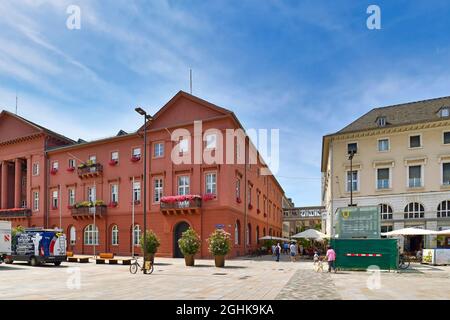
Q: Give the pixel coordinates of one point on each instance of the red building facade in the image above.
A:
(48, 180)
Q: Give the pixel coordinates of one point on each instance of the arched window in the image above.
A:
(91, 235)
(264, 232)
(249, 234)
(414, 210)
(385, 211)
(115, 235)
(237, 232)
(136, 235)
(257, 234)
(72, 235)
(270, 232)
(443, 210)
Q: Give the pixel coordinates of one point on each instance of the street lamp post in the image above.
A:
(142, 112)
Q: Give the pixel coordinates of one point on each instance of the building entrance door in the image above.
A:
(177, 233)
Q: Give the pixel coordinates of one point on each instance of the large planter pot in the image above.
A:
(220, 261)
(189, 260)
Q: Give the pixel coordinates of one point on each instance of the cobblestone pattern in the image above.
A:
(309, 285)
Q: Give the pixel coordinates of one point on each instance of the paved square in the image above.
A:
(247, 279)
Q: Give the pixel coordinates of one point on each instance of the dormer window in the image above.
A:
(381, 121)
(444, 112)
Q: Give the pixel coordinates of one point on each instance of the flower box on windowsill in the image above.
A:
(208, 196)
(250, 206)
(238, 200)
(137, 202)
(70, 169)
(70, 207)
(265, 215)
(113, 204)
(54, 171)
(54, 208)
(135, 158)
(113, 163)
(258, 211)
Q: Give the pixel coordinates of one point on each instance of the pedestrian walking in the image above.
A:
(273, 249)
(331, 258)
(293, 251)
(278, 251)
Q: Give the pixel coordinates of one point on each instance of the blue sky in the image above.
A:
(305, 67)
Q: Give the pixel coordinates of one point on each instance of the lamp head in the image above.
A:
(141, 111)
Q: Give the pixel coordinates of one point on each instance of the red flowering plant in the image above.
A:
(71, 169)
(238, 200)
(113, 162)
(180, 198)
(113, 204)
(258, 211)
(250, 206)
(135, 158)
(208, 196)
(53, 171)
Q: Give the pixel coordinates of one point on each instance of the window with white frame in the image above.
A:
(72, 163)
(443, 209)
(381, 121)
(385, 211)
(36, 201)
(115, 156)
(55, 165)
(114, 193)
(415, 141)
(383, 145)
(115, 235)
(258, 194)
(184, 145)
(35, 169)
(158, 189)
(383, 178)
(158, 150)
(211, 183)
(388, 228)
(446, 173)
(414, 210)
(237, 231)
(183, 185)
(444, 112)
(352, 180)
(91, 235)
(136, 235)
(71, 193)
(91, 193)
(55, 199)
(136, 152)
(93, 159)
(415, 176)
(211, 141)
(137, 191)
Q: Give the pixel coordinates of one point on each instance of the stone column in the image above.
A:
(29, 175)
(18, 183)
(4, 195)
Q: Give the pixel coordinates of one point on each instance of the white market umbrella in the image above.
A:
(311, 234)
(443, 232)
(409, 232)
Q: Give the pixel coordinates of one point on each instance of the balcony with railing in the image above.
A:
(415, 182)
(382, 184)
(85, 212)
(15, 213)
(90, 170)
(186, 204)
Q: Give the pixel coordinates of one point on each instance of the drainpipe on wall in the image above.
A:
(245, 195)
(46, 184)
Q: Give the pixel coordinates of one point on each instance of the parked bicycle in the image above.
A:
(403, 262)
(135, 266)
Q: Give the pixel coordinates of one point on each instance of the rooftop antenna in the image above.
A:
(190, 80)
(16, 102)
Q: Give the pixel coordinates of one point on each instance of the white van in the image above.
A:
(5, 240)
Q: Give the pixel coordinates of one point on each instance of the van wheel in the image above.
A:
(9, 261)
(57, 263)
(34, 262)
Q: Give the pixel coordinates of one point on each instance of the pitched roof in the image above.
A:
(38, 127)
(400, 114)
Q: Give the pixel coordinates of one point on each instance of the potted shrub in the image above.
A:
(189, 244)
(113, 162)
(150, 247)
(219, 246)
(70, 169)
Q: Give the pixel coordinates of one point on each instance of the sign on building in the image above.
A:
(357, 222)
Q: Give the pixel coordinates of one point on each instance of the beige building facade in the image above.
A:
(401, 163)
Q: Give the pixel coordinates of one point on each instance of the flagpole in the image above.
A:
(132, 218)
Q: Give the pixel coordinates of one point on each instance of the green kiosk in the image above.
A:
(358, 243)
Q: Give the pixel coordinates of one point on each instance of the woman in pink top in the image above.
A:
(331, 258)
